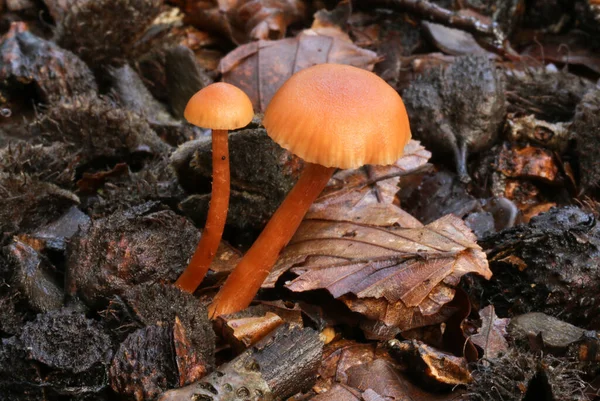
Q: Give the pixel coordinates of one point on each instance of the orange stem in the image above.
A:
(206, 250)
(244, 282)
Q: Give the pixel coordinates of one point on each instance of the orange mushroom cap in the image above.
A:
(219, 106)
(338, 116)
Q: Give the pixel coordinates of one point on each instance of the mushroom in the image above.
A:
(221, 107)
(332, 116)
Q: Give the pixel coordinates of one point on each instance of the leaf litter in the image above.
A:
(380, 268)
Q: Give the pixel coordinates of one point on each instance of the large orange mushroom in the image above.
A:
(221, 107)
(332, 116)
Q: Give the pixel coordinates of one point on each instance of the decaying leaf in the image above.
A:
(370, 189)
(244, 20)
(387, 382)
(401, 276)
(340, 356)
(260, 68)
(430, 366)
(491, 335)
(370, 184)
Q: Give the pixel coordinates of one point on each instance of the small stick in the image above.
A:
(433, 12)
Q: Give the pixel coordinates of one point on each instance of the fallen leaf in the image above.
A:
(371, 184)
(243, 20)
(386, 381)
(429, 365)
(369, 192)
(555, 335)
(226, 259)
(342, 355)
(401, 276)
(491, 337)
(260, 68)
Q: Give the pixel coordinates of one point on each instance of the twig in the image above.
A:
(435, 13)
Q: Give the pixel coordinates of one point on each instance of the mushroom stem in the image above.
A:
(206, 250)
(244, 282)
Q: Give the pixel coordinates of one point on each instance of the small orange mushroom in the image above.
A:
(332, 116)
(221, 107)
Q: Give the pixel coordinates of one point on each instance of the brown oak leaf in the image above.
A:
(400, 276)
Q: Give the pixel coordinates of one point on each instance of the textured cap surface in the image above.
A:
(219, 106)
(338, 116)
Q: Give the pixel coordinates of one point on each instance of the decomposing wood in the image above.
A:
(276, 368)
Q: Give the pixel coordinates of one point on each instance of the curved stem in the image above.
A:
(245, 280)
(206, 250)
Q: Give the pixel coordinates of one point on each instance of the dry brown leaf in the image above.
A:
(351, 194)
(342, 355)
(243, 20)
(400, 276)
(387, 382)
(260, 68)
(429, 365)
(491, 336)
